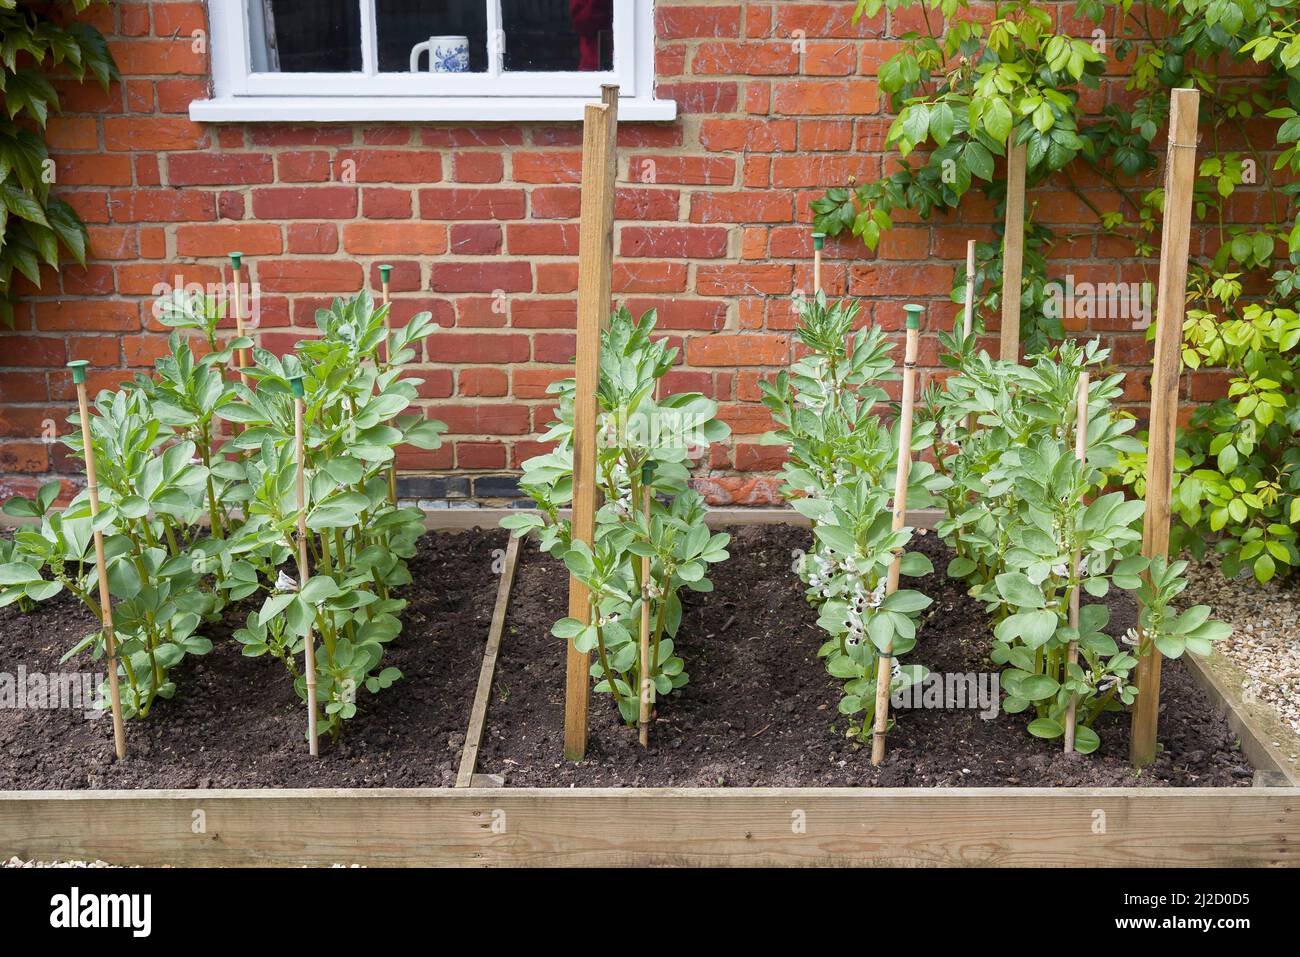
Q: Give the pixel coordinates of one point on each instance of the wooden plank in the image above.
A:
(1013, 254)
(1175, 238)
(614, 827)
(595, 261)
(483, 694)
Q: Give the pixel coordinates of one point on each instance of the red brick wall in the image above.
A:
(480, 224)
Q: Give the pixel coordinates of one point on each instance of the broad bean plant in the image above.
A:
(198, 503)
(1019, 507)
(645, 446)
(840, 474)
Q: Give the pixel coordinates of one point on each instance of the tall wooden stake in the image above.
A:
(819, 240)
(647, 679)
(384, 273)
(595, 260)
(885, 672)
(78, 367)
(241, 355)
(1013, 253)
(1081, 453)
(1175, 238)
(309, 651)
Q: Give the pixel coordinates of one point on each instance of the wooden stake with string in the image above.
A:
(595, 262)
(385, 272)
(309, 651)
(884, 673)
(1072, 656)
(78, 367)
(1171, 301)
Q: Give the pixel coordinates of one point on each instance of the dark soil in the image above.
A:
(761, 710)
(236, 722)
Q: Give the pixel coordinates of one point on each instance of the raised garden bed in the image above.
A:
(774, 686)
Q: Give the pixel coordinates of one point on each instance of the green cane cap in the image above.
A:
(298, 390)
(914, 313)
(647, 473)
(819, 240)
(236, 259)
(385, 272)
(78, 367)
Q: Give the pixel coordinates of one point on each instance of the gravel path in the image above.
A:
(1265, 643)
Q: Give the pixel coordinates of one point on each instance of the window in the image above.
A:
(429, 59)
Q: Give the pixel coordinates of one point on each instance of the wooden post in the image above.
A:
(884, 674)
(595, 259)
(819, 240)
(241, 356)
(78, 367)
(647, 680)
(384, 273)
(309, 652)
(1013, 252)
(1175, 238)
(1081, 453)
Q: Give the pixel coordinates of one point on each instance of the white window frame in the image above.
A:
(242, 94)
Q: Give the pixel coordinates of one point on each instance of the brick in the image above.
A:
(738, 350)
(546, 167)
(492, 383)
(700, 97)
(486, 419)
(532, 383)
(161, 205)
(824, 97)
(309, 202)
(99, 170)
(91, 315)
(697, 20)
(674, 242)
(158, 57)
(687, 170)
(252, 239)
(642, 205)
(478, 167)
(31, 457)
(380, 203)
(113, 242)
(318, 238)
(72, 133)
(309, 275)
(742, 207)
(480, 455)
(745, 58)
(471, 203)
(416, 239)
(543, 313)
(542, 239)
(325, 134)
(728, 279)
(219, 169)
(475, 239)
(170, 19)
(648, 276)
(154, 134)
(749, 136)
(304, 166)
(487, 276)
(388, 166)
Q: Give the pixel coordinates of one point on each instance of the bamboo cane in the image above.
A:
(309, 652)
(968, 320)
(385, 272)
(819, 240)
(241, 355)
(884, 674)
(1013, 253)
(78, 367)
(1081, 453)
(647, 679)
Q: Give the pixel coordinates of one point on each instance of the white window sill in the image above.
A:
(414, 109)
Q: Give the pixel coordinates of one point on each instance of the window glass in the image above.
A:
(558, 35)
(445, 36)
(307, 36)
